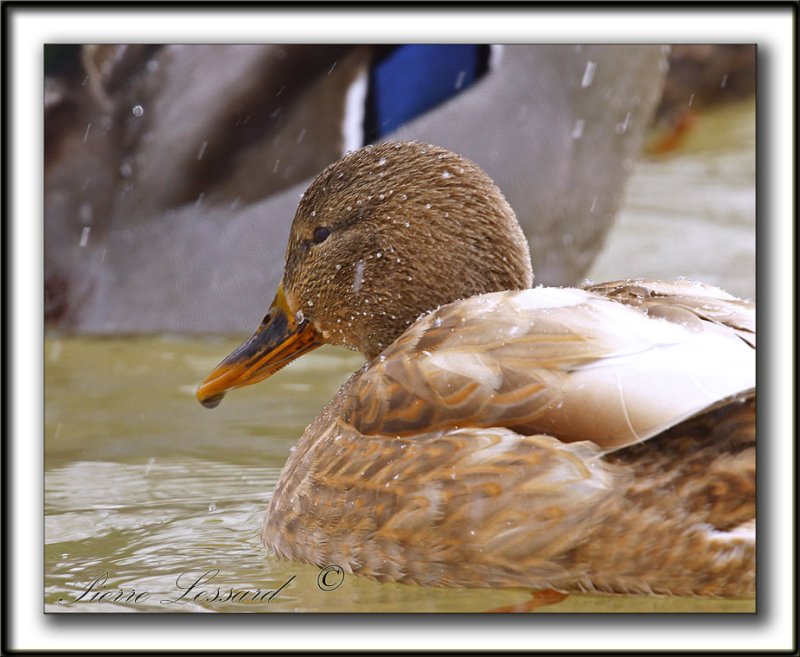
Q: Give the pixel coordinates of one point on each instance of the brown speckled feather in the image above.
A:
(569, 363)
(687, 523)
(472, 502)
(686, 302)
(468, 507)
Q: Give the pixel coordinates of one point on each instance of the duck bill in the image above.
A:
(278, 341)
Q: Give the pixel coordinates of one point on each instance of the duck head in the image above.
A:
(382, 236)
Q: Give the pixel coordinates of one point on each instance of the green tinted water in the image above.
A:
(160, 501)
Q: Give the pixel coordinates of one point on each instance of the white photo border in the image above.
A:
(28, 27)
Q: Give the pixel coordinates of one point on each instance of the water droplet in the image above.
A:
(85, 236)
(126, 168)
(358, 278)
(137, 110)
(460, 79)
(427, 206)
(382, 161)
(621, 128)
(447, 175)
(202, 150)
(588, 74)
(577, 131)
(299, 317)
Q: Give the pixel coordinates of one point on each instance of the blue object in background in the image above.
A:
(410, 80)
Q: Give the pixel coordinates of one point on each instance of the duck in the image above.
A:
(597, 438)
(162, 159)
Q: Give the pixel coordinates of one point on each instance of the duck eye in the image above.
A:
(321, 234)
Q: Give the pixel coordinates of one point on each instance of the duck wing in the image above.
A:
(467, 507)
(686, 302)
(488, 507)
(575, 364)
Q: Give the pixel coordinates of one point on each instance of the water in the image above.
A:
(692, 214)
(161, 501)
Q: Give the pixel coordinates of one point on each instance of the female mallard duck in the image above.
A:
(501, 436)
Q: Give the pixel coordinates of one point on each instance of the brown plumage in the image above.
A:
(597, 439)
(373, 278)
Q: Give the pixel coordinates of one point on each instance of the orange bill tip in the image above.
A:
(281, 337)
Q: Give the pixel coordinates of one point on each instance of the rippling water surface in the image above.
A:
(159, 501)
